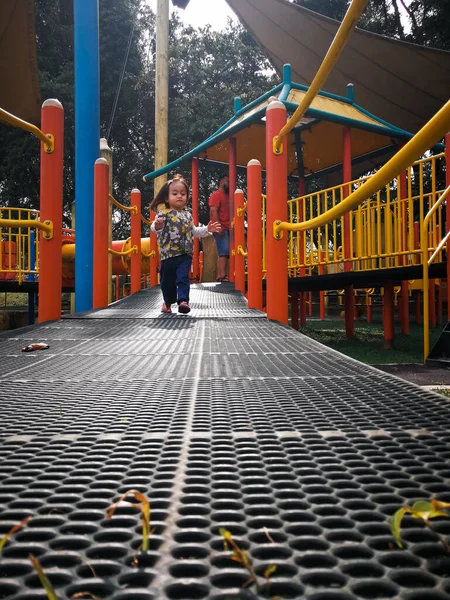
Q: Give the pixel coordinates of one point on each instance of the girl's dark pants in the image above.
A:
(174, 273)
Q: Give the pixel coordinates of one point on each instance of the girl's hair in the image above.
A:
(162, 196)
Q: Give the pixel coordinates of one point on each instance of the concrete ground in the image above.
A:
(423, 375)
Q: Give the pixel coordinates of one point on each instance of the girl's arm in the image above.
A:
(157, 225)
(205, 230)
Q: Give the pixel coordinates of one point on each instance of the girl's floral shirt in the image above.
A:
(178, 232)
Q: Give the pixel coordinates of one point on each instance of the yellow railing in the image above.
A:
(16, 247)
(429, 255)
(383, 231)
(46, 139)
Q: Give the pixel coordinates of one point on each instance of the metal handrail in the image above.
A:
(45, 226)
(132, 209)
(424, 139)
(426, 262)
(45, 138)
(346, 28)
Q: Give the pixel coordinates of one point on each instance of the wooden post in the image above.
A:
(239, 240)
(254, 235)
(232, 176)
(276, 210)
(51, 196)
(135, 259)
(105, 152)
(162, 91)
(100, 280)
(195, 206)
(347, 176)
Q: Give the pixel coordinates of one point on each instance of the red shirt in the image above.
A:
(220, 201)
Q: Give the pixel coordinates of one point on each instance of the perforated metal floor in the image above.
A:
(222, 419)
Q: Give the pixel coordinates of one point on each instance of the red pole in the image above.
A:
(101, 229)
(347, 176)
(153, 254)
(418, 308)
(232, 176)
(432, 298)
(117, 287)
(254, 235)
(239, 240)
(447, 183)
(294, 309)
(388, 315)
(135, 259)
(194, 184)
(51, 195)
(276, 210)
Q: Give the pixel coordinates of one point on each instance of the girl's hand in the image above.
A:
(214, 227)
(159, 223)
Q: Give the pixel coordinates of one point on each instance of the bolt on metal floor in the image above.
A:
(224, 420)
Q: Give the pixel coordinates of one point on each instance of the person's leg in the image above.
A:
(168, 274)
(182, 278)
(223, 251)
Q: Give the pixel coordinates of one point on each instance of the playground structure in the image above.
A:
(247, 439)
(373, 231)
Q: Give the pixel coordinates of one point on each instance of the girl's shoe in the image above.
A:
(184, 308)
(165, 308)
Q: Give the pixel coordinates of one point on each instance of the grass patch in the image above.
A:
(13, 301)
(368, 344)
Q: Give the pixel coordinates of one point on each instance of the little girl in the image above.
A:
(176, 232)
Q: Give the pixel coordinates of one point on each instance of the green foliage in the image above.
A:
(422, 509)
(425, 22)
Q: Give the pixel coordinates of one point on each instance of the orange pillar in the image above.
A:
(347, 176)
(135, 259)
(101, 229)
(432, 302)
(276, 210)
(254, 235)
(388, 315)
(232, 176)
(239, 240)
(194, 185)
(51, 196)
(294, 309)
(447, 183)
(153, 254)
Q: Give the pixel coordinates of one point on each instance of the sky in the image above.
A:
(203, 12)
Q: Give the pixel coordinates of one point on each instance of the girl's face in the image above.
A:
(177, 195)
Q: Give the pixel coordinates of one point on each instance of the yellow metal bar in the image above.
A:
(425, 277)
(144, 220)
(46, 226)
(46, 139)
(240, 250)
(433, 131)
(346, 28)
(132, 250)
(149, 255)
(132, 209)
(439, 248)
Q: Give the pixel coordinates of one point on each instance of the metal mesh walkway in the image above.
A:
(224, 420)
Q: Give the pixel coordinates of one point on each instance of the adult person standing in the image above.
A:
(219, 211)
